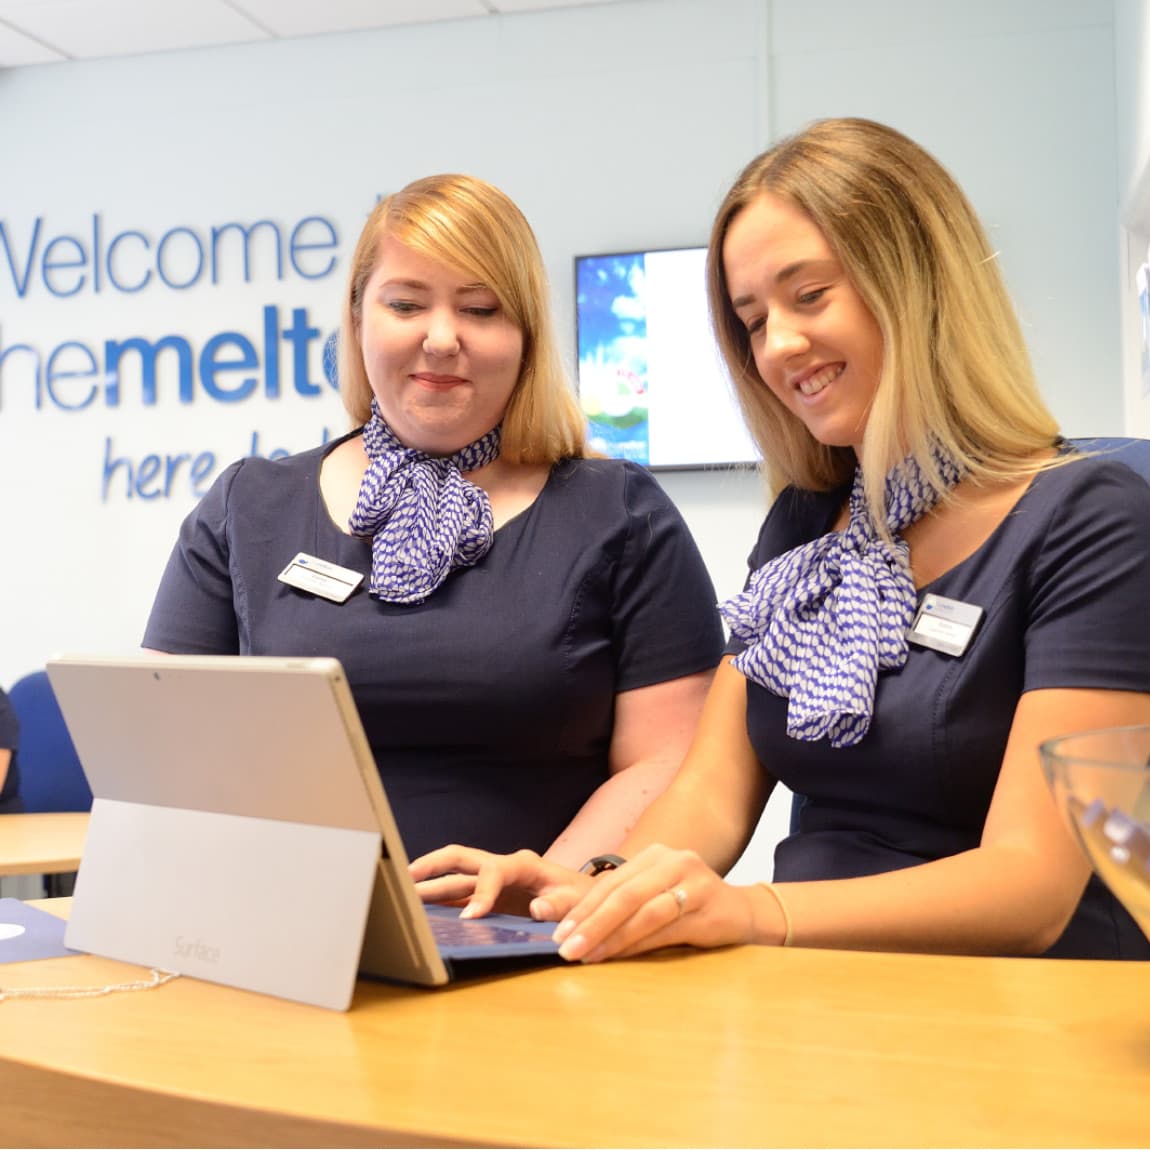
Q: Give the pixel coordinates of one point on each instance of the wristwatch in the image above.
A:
(600, 863)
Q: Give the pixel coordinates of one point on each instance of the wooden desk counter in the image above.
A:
(42, 843)
(731, 1048)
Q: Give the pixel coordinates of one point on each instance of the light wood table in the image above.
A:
(731, 1048)
(42, 843)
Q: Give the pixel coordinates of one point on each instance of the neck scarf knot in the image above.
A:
(424, 518)
(821, 620)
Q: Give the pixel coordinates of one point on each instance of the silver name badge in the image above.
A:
(945, 625)
(318, 577)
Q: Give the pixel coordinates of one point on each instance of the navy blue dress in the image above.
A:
(9, 741)
(1063, 581)
(490, 706)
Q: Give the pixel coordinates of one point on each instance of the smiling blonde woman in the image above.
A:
(862, 315)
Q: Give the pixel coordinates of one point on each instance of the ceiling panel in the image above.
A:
(83, 29)
(538, 5)
(46, 31)
(16, 48)
(306, 17)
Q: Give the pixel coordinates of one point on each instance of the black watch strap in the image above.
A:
(600, 863)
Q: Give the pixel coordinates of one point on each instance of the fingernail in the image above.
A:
(573, 948)
(540, 909)
(563, 929)
(467, 912)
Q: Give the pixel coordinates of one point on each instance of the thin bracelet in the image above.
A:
(789, 936)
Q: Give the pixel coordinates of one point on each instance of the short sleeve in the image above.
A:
(665, 621)
(9, 725)
(194, 610)
(1089, 582)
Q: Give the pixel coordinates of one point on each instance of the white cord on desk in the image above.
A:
(156, 978)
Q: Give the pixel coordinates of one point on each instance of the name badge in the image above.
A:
(318, 577)
(945, 625)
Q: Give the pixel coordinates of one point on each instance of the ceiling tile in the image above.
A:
(538, 5)
(306, 17)
(83, 29)
(41, 31)
(16, 48)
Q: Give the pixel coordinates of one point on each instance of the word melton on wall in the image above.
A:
(47, 268)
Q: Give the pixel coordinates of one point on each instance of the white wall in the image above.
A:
(614, 127)
(1017, 99)
(1132, 83)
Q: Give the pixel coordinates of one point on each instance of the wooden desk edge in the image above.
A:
(64, 859)
(102, 1112)
(99, 1112)
(1030, 1006)
(65, 865)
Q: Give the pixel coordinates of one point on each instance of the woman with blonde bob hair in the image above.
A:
(529, 634)
(941, 584)
(543, 423)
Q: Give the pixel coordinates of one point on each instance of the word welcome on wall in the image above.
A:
(46, 271)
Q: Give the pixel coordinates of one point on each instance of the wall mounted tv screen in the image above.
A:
(651, 381)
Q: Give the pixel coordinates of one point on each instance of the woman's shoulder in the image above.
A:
(1103, 461)
(258, 486)
(616, 500)
(598, 469)
(604, 478)
(1087, 512)
(273, 471)
(1090, 482)
(307, 461)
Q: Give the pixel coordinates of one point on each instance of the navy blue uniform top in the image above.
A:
(489, 707)
(1063, 581)
(9, 740)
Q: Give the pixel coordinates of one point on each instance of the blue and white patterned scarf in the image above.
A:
(822, 619)
(425, 519)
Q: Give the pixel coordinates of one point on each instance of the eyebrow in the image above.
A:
(788, 271)
(419, 285)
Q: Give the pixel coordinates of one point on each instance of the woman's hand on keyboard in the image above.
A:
(519, 883)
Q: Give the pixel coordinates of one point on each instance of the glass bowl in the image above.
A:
(1101, 782)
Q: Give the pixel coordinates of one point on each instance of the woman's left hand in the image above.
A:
(664, 897)
(520, 883)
